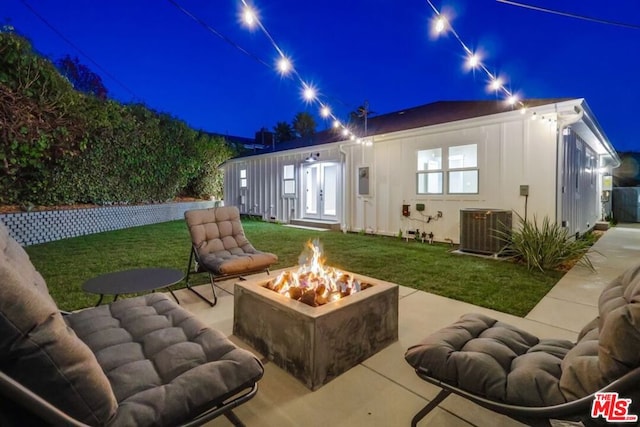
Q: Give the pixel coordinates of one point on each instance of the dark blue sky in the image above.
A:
(351, 50)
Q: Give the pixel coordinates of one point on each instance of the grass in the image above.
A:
(499, 285)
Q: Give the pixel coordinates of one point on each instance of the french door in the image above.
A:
(321, 191)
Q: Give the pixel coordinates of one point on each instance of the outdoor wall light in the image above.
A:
(313, 157)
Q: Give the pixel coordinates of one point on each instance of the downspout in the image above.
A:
(344, 226)
(563, 123)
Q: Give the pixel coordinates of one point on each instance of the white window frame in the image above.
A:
(464, 169)
(243, 178)
(426, 172)
(290, 179)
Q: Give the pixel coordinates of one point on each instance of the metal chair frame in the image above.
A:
(199, 268)
(533, 416)
(35, 405)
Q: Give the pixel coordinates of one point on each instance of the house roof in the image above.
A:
(411, 118)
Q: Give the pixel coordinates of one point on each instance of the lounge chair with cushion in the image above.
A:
(532, 380)
(220, 248)
(143, 361)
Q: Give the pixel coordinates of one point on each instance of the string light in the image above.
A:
(309, 93)
(473, 60)
(496, 83)
(441, 25)
(249, 16)
(284, 65)
(285, 68)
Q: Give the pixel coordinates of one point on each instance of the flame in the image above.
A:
(314, 283)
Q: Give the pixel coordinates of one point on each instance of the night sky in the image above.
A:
(352, 50)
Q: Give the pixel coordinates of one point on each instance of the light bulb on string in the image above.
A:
(249, 16)
(440, 24)
(325, 111)
(336, 124)
(496, 83)
(309, 93)
(512, 99)
(284, 65)
(473, 60)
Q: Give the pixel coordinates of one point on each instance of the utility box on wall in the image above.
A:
(480, 230)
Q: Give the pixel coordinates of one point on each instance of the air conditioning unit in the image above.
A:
(480, 230)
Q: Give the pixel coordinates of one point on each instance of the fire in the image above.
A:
(313, 283)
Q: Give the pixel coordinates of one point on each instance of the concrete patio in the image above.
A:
(384, 390)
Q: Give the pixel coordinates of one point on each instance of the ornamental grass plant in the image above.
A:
(545, 246)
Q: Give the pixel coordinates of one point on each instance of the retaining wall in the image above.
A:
(30, 228)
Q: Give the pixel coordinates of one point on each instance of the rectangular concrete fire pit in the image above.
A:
(316, 344)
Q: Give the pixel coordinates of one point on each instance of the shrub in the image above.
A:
(61, 146)
(544, 247)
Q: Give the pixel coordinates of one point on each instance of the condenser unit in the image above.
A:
(480, 230)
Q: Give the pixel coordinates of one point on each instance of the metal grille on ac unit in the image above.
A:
(478, 229)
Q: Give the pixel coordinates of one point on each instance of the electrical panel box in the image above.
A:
(405, 210)
(524, 190)
(420, 207)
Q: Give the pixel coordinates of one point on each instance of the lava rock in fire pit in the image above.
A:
(313, 283)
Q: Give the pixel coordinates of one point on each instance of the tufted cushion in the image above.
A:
(495, 360)
(609, 346)
(163, 363)
(503, 363)
(13, 253)
(219, 239)
(38, 349)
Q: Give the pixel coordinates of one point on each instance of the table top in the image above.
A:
(135, 280)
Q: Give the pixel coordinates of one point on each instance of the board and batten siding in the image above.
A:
(510, 154)
(513, 150)
(264, 194)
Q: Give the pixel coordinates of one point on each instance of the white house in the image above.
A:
(418, 168)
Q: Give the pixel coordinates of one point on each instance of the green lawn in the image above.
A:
(500, 285)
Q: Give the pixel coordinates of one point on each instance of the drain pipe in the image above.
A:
(343, 153)
(564, 121)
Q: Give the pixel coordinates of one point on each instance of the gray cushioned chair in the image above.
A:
(533, 380)
(143, 361)
(220, 248)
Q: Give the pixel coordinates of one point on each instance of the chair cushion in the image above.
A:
(494, 360)
(227, 263)
(37, 348)
(608, 347)
(15, 255)
(163, 363)
(500, 362)
(218, 237)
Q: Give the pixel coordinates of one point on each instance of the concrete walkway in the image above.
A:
(573, 300)
(384, 390)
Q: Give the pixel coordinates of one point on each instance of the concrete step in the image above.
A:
(316, 223)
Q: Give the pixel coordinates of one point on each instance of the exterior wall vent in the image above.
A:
(478, 230)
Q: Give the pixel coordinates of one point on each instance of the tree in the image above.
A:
(81, 77)
(360, 115)
(283, 131)
(304, 124)
(628, 174)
